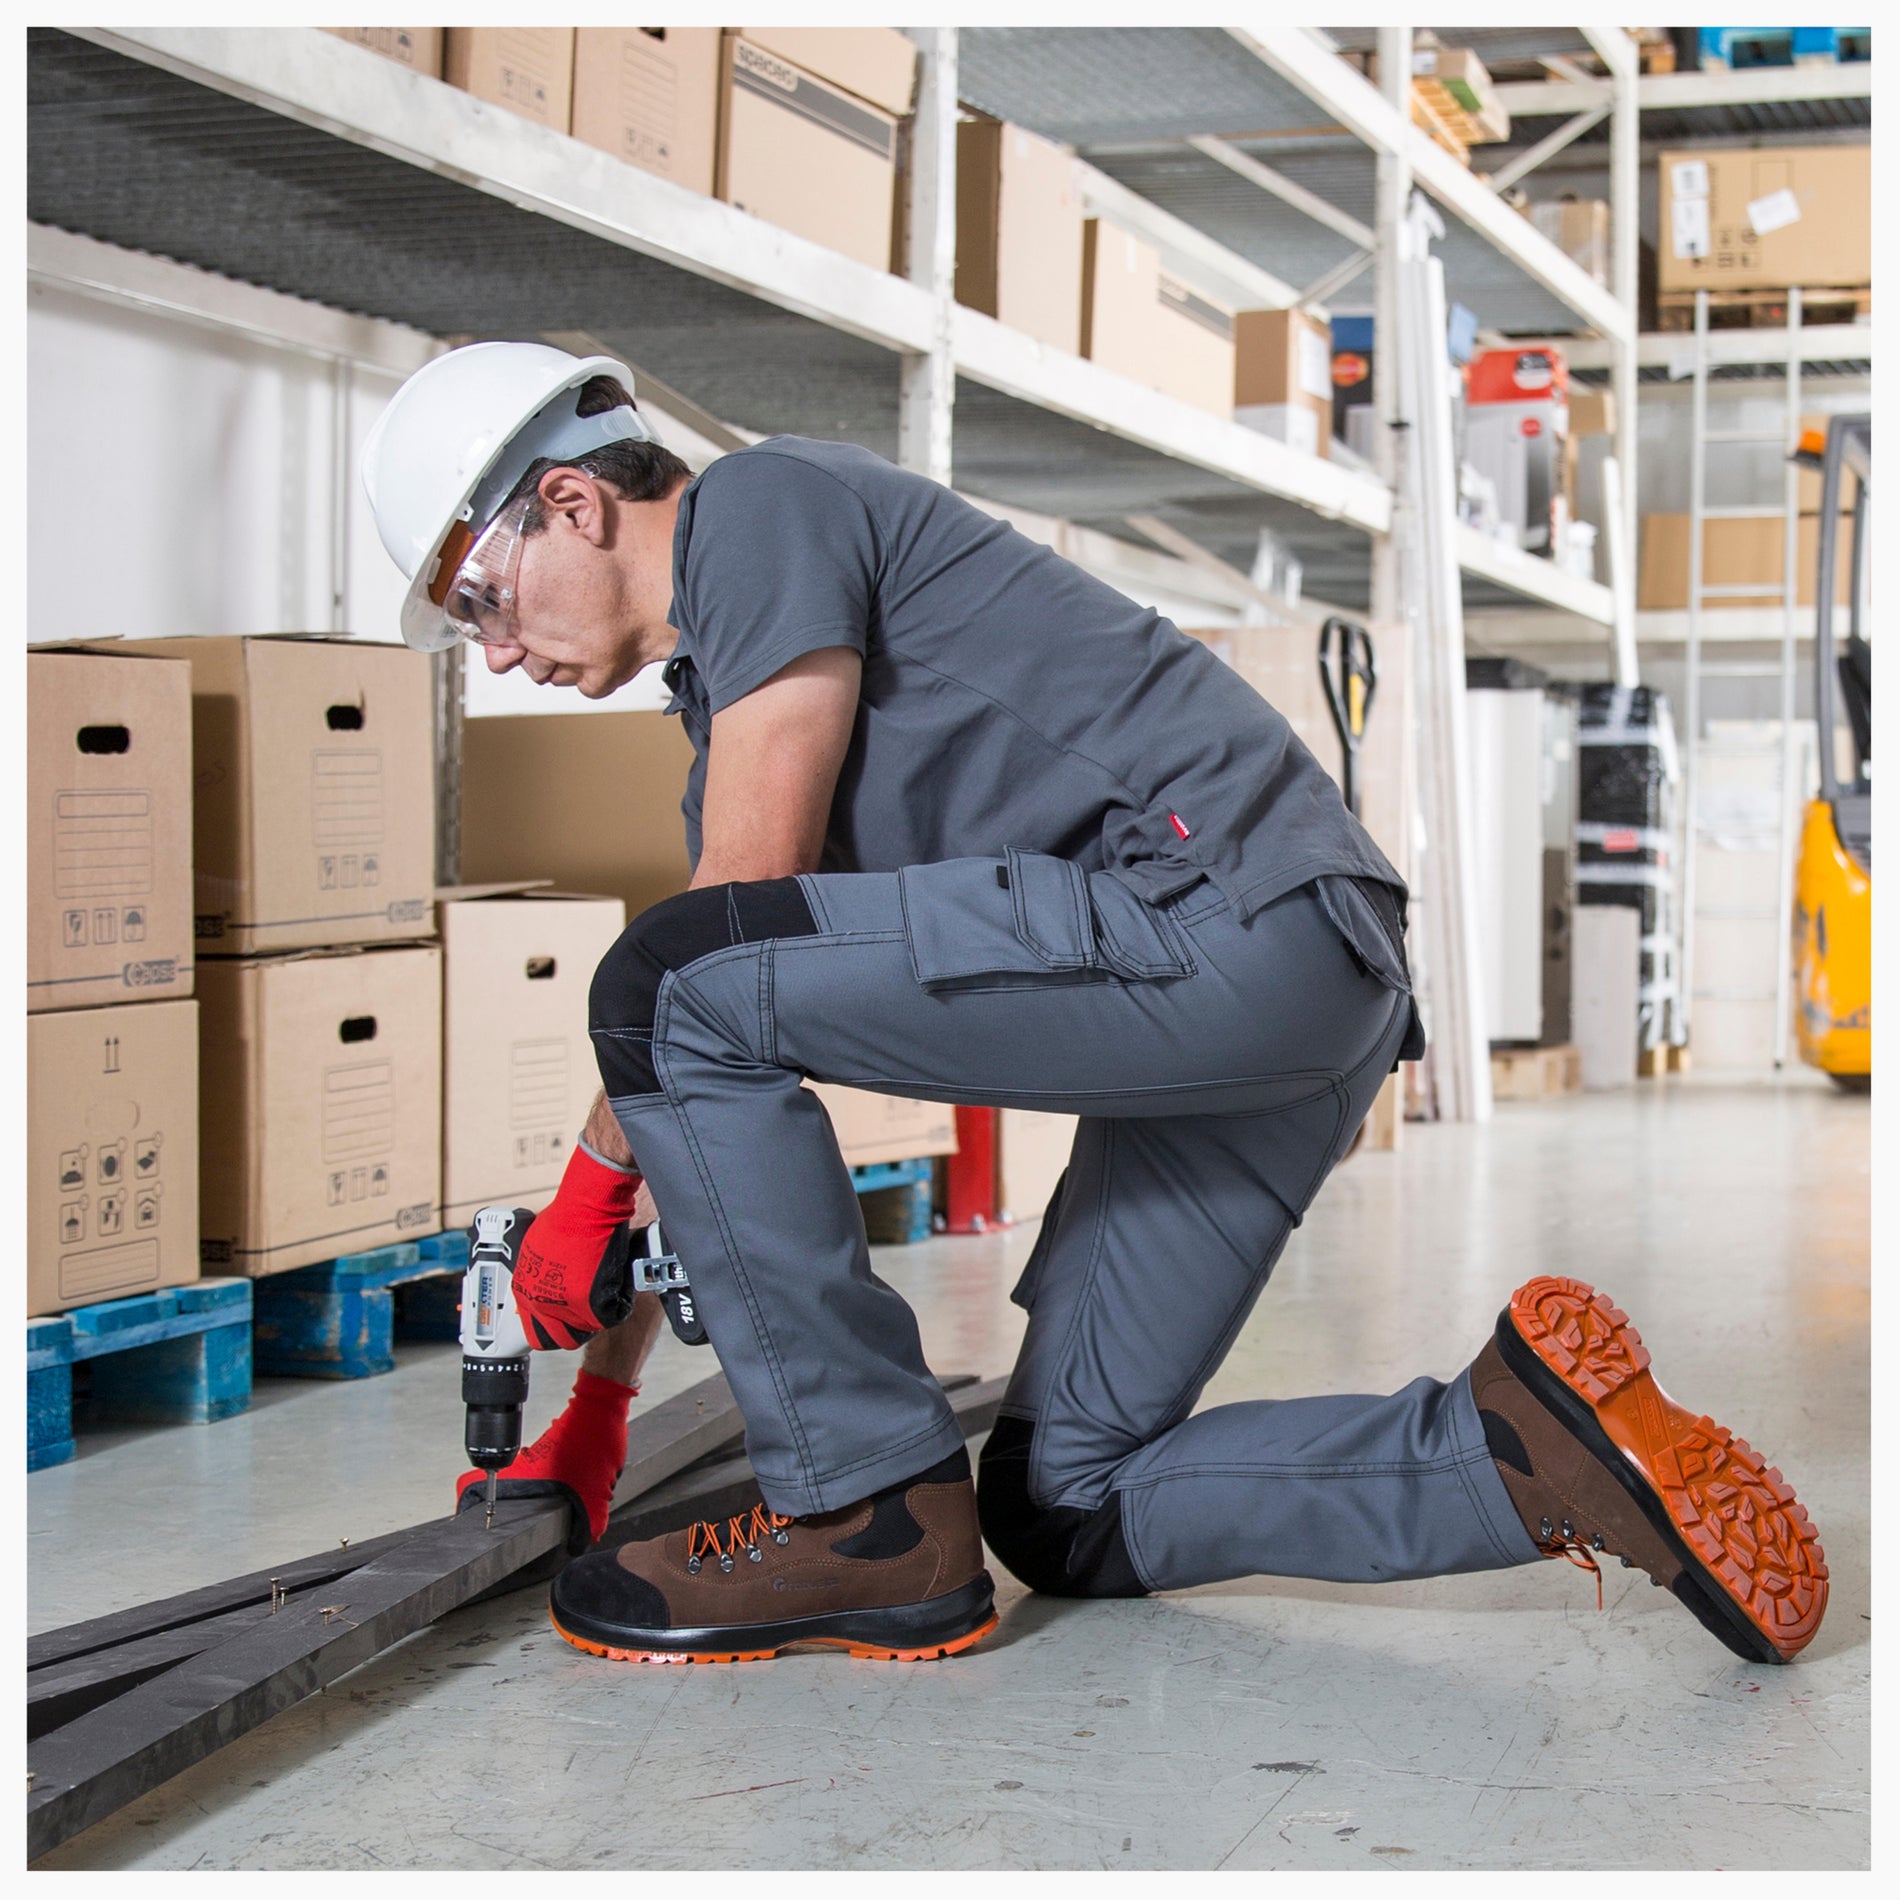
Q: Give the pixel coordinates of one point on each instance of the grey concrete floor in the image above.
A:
(1492, 1721)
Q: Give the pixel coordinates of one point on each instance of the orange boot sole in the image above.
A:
(869, 1651)
(1755, 1572)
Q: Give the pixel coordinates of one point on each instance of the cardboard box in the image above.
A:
(314, 819)
(108, 826)
(1580, 228)
(1736, 551)
(1147, 325)
(1032, 1150)
(650, 95)
(806, 155)
(1283, 362)
(518, 1068)
(1019, 231)
(321, 1105)
(876, 63)
(1592, 412)
(590, 801)
(872, 1128)
(111, 1153)
(528, 69)
(1767, 219)
(417, 47)
(1194, 347)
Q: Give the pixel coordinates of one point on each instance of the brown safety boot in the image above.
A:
(1599, 1459)
(898, 1576)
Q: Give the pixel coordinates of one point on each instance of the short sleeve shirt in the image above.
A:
(1008, 698)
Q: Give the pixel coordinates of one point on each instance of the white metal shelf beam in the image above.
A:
(1685, 92)
(1308, 204)
(353, 94)
(1307, 62)
(1659, 349)
(1006, 360)
(1533, 577)
(1183, 246)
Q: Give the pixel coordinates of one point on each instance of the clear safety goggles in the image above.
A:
(478, 576)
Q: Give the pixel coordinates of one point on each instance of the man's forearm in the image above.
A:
(602, 1134)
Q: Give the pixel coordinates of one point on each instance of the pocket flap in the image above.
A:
(1372, 937)
(962, 922)
(1135, 938)
(1051, 898)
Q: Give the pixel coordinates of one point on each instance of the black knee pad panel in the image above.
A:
(625, 996)
(1058, 1549)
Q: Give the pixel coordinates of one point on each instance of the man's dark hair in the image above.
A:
(640, 471)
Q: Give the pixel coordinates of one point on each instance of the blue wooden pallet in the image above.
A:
(908, 1184)
(337, 1319)
(1739, 47)
(179, 1356)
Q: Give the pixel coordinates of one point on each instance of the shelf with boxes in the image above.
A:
(463, 217)
(766, 328)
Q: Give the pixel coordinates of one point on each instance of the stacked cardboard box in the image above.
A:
(1283, 384)
(417, 47)
(319, 984)
(1749, 219)
(527, 69)
(650, 95)
(112, 1043)
(1146, 324)
(808, 131)
(532, 809)
(1019, 231)
(518, 1069)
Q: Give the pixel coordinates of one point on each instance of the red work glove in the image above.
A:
(574, 1275)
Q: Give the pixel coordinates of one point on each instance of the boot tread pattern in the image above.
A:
(1736, 1512)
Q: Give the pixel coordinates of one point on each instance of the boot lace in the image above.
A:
(740, 1533)
(1567, 1544)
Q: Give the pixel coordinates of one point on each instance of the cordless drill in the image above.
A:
(494, 1346)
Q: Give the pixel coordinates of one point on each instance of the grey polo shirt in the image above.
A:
(1008, 698)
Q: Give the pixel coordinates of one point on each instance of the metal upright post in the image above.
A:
(1394, 190)
(1692, 660)
(927, 379)
(1786, 808)
(1625, 194)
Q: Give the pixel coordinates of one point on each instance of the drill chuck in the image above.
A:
(494, 1391)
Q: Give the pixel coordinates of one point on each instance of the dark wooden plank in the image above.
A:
(93, 1766)
(62, 1691)
(116, 1750)
(701, 1422)
(192, 1606)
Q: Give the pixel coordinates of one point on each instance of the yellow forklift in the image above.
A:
(1833, 886)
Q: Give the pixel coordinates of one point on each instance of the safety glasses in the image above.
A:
(476, 589)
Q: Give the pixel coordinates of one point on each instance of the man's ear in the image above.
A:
(580, 500)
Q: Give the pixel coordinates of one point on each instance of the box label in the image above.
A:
(1774, 212)
(766, 77)
(1689, 226)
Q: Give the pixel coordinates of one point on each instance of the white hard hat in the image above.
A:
(458, 436)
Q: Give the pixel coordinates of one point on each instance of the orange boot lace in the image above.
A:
(740, 1533)
(1568, 1544)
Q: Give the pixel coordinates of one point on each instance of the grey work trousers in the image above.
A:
(1220, 1068)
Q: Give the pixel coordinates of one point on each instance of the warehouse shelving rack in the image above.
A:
(1258, 162)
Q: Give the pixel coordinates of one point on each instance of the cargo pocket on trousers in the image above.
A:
(1366, 915)
(1029, 921)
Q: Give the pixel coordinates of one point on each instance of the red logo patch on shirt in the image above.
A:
(1180, 830)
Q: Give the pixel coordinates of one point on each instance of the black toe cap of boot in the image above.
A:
(596, 1597)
